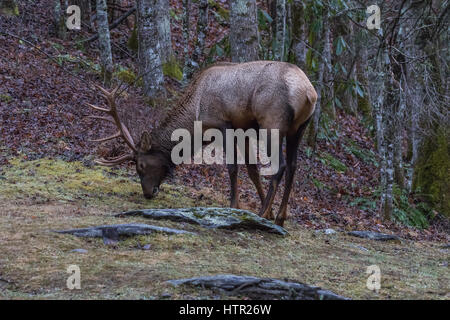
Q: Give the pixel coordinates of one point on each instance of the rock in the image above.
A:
(358, 247)
(144, 247)
(116, 230)
(79, 250)
(221, 218)
(4, 283)
(110, 236)
(326, 231)
(374, 235)
(259, 288)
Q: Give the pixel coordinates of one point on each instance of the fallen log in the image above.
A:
(259, 288)
(221, 218)
(373, 235)
(115, 230)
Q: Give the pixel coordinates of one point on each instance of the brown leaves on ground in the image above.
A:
(42, 106)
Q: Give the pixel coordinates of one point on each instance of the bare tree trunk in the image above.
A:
(350, 102)
(244, 37)
(390, 106)
(59, 19)
(149, 48)
(188, 64)
(280, 31)
(398, 142)
(299, 33)
(104, 42)
(320, 86)
(365, 102)
(202, 30)
(165, 35)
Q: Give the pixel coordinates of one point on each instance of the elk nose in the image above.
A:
(148, 195)
(155, 190)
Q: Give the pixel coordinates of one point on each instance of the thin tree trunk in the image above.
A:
(59, 20)
(188, 69)
(202, 30)
(398, 143)
(280, 31)
(390, 105)
(104, 42)
(365, 102)
(244, 37)
(164, 32)
(320, 85)
(299, 34)
(350, 102)
(149, 48)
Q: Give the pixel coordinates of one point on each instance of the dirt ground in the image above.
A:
(39, 196)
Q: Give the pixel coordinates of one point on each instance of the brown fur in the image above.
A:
(260, 94)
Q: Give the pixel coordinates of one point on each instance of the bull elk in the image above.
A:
(258, 95)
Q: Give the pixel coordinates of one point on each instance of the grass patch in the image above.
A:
(34, 260)
(330, 161)
(365, 155)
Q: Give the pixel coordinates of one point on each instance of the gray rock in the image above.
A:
(326, 231)
(126, 230)
(79, 250)
(259, 288)
(221, 218)
(110, 236)
(373, 235)
(358, 247)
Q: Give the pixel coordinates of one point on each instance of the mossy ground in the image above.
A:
(39, 196)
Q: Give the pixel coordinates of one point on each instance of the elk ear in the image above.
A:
(145, 144)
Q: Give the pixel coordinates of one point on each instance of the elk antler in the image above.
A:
(123, 132)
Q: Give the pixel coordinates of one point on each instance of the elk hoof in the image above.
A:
(279, 222)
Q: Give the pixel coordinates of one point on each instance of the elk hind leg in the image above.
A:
(275, 180)
(233, 172)
(292, 143)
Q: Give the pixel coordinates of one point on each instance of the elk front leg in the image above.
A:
(275, 180)
(253, 173)
(233, 172)
(292, 143)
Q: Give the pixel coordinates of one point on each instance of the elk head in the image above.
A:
(151, 164)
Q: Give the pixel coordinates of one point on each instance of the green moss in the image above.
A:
(9, 8)
(222, 12)
(432, 173)
(366, 155)
(126, 76)
(365, 107)
(330, 161)
(133, 43)
(5, 98)
(56, 180)
(172, 69)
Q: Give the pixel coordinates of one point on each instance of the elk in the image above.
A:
(259, 94)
